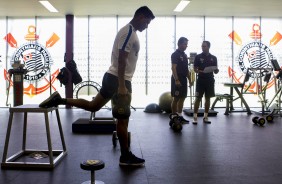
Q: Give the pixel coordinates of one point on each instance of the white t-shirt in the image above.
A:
(126, 40)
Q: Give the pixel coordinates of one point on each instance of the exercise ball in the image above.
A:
(153, 108)
(165, 102)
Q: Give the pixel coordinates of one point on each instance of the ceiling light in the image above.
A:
(48, 6)
(182, 4)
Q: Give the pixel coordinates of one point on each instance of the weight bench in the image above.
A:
(230, 97)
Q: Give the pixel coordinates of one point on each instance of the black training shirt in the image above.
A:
(180, 58)
(201, 61)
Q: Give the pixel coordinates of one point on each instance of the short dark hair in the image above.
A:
(182, 40)
(144, 10)
(208, 43)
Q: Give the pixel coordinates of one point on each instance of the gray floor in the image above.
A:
(231, 150)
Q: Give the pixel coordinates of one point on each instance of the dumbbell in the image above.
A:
(92, 165)
(175, 122)
(269, 118)
(258, 121)
(170, 117)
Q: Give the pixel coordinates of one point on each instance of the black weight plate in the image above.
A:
(255, 119)
(269, 118)
(261, 121)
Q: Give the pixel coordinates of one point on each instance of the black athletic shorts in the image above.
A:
(179, 91)
(110, 86)
(205, 86)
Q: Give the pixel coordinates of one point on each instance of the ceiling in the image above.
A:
(242, 8)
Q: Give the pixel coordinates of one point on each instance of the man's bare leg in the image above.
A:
(196, 109)
(207, 104)
(127, 157)
(122, 133)
(206, 113)
(180, 104)
(174, 104)
(95, 105)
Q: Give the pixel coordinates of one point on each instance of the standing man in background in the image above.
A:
(116, 84)
(205, 64)
(180, 73)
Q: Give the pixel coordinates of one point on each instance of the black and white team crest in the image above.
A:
(255, 55)
(36, 59)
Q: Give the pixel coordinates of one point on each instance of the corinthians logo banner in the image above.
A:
(36, 59)
(254, 55)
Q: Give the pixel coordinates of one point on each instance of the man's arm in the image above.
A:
(122, 58)
(196, 65)
(174, 73)
(216, 70)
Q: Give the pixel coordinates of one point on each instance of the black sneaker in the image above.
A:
(53, 101)
(183, 120)
(205, 120)
(131, 160)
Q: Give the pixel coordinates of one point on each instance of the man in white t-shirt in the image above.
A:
(116, 84)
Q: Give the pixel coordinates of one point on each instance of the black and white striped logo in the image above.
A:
(255, 55)
(36, 59)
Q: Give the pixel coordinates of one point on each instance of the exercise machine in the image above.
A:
(240, 89)
(261, 86)
(274, 105)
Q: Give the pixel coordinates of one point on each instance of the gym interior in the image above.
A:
(51, 146)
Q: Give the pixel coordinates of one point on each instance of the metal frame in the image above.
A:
(230, 97)
(261, 89)
(12, 162)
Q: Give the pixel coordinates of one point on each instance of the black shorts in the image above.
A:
(110, 86)
(176, 91)
(205, 86)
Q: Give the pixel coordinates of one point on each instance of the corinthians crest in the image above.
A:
(254, 54)
(36, 59)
